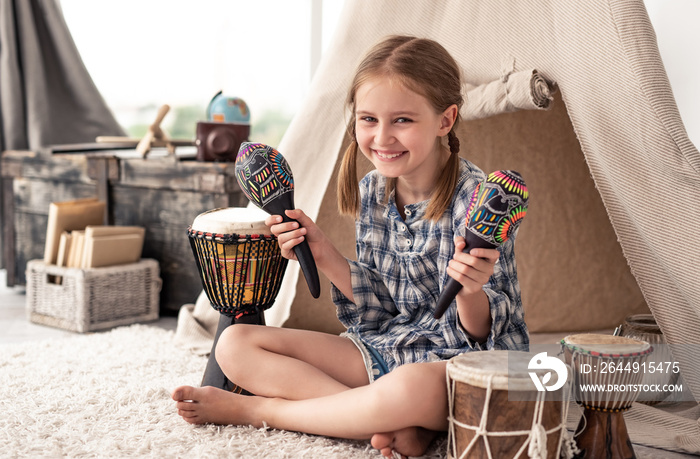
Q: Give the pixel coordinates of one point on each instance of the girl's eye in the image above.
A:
(368, 119)
(403, 120)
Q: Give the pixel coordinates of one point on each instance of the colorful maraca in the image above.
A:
(266, 179)
(497, 207)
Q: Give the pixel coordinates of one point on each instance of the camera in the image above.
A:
(220, 141)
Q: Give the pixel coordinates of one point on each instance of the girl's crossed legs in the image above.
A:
(317, 383)
(289, 363)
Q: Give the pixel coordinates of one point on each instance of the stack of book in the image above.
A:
(100, 246)
(76, 238)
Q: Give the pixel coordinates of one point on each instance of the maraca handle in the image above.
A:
(308, 267)
(452, 287)
(307, 263)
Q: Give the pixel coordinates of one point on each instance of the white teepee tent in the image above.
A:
(615, 209)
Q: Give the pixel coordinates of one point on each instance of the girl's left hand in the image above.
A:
(472, 269)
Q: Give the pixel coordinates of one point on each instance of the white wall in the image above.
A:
(678, 36)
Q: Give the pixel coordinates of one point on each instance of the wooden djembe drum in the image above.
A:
(496, 410)
(608, 371)
(241, 268)
(643, 327)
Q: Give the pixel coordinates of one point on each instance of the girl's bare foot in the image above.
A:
(411, 441)
(203, 405)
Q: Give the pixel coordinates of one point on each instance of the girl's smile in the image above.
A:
(388, 155)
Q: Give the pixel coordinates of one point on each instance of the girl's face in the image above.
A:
(398, 129)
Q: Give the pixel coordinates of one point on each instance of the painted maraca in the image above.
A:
(497, 207)
(266, 179)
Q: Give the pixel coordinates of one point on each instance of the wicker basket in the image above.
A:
(84, 300)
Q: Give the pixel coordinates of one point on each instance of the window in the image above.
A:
(181, 53)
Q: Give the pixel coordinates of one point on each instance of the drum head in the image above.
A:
(606, 345)
(503, 370)
(232, 220)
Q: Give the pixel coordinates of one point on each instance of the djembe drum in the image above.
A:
(643, 327)
(496, 410)
(241, 268)
(608, 371)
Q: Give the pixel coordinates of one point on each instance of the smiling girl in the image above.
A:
(384, 378)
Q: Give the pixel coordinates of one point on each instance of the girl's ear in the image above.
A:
(449, 116)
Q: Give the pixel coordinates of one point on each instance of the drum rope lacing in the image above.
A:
(255, 270)
(614, 401)
(537, 435)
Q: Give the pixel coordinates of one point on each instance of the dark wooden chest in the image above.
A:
(163, 193)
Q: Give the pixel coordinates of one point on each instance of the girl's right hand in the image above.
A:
(290, 234)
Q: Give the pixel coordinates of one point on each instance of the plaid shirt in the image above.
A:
(400, 269)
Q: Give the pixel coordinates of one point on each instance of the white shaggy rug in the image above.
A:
(108, 395)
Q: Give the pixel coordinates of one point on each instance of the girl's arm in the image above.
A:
(328, 259)
(473, 271)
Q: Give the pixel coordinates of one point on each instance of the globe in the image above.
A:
(227, 109)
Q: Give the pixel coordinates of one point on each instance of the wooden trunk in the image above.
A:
(163, 193)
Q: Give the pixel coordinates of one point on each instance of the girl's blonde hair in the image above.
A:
(422, 66)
